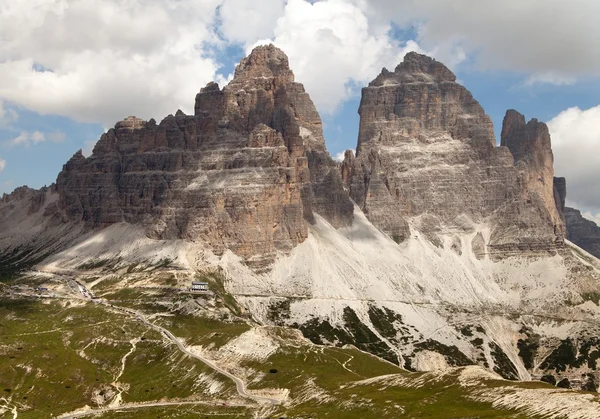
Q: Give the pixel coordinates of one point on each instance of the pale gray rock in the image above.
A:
(583, 232)
(426, 146)
(531, 147)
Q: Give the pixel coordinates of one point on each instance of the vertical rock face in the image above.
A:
(581, 231)
(530, 145)
(560, 194)
(584, 233)
(426, 152)
(244, 173)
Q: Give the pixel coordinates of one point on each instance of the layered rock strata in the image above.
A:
(245, 172)
(583, 232)
(32, 227)
(531, 147)
(427, 155)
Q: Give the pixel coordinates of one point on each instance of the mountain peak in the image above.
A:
(264, 61)
(420, 63)
(130, 123)
(415, 68)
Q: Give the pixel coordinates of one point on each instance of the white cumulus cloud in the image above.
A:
(555, 40)
(102, 60)
(7, 115)
(245, 21)
(332, 49)
(2, 164)
(592, 217)
(27, 138)
(340, 156)
(576, 145)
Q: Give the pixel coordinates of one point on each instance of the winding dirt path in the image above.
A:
(132, 406)
(240, 385)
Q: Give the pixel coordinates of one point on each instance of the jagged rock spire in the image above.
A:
(427, 152)
(245, 172)
(531, 147)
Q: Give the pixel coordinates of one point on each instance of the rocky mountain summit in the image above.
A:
(432, 247)
(243, 173)
(426, 153)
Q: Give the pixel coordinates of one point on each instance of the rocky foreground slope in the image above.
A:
(431, 248)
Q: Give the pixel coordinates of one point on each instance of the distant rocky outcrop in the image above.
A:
(583, 232)
(245, 173)
(530, 145)
(579, 230)
(34, 199)
(427, 155)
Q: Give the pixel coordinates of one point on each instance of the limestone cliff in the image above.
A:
(426, 154)
(583, 232)
(530, 145)
(249, 172)
(244, 173)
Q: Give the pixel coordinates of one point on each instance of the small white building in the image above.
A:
(199, 286)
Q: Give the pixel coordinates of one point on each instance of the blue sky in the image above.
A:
(73, 68)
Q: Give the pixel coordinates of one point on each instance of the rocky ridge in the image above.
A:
(426, 155)
(245, 172)
(579, 230)
(583, 232)
(531, 147)
(453, 254)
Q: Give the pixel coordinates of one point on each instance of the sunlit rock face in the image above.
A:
(427, 156)
(531, 147)
(246, 172)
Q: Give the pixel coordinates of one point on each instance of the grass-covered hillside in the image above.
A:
(66, 356)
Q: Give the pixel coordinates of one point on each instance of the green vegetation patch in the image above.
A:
(528, 350)
(589, 352)
(591, 296)
(384, 321)
(354, 333)
(564, 356)
(279, 311)
(183, 411)
(94, 264)
(502, 363)
(203, 331)
(326, 368)
(216, 281)
(466, 331)
(19, 259)
(454, 357)
(48, 374)
(58, 356)
(435, 398)
(158, 371)
(572, 354)
(163, 263)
